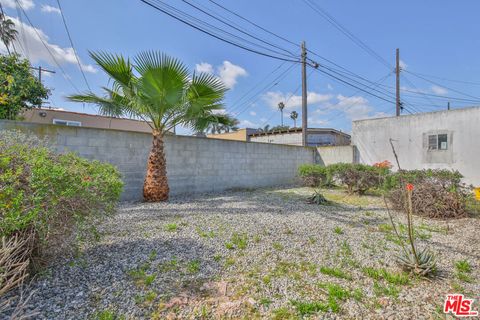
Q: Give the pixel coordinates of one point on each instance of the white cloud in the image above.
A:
(439, 90)
(227, 72)
(317, 122)
(204, 67)
(26, 4)
(355, 107)
(253, 113)
(272, 98)
(248, 124)
(36, 51)
(329, 87)
(50, 9)
(403, 65)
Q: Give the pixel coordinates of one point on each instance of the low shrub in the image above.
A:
(51, 200)
(438, 193)
(313, 175)
(358, 178)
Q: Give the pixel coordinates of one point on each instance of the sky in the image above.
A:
(438, 41)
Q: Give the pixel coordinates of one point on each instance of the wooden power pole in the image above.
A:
(40, 70)
(304, 95)
(397, 73)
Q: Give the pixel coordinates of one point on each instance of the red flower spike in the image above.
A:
(409, 187)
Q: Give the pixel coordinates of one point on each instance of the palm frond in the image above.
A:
(116, 66)
(107, 106)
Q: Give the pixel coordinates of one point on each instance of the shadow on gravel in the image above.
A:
(117, 276)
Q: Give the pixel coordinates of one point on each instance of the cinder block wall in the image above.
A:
(336, 154)
(194, 165)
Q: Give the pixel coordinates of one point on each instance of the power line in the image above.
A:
(323, 13)
(253, 88)
(183, 20)
(236, 28)
(440, 85)
(445, 79)
(254, 24)
(266, 88)
(73, 47)
(65, 75)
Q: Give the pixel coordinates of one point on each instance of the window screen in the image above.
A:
(432, 142)
(442, 142)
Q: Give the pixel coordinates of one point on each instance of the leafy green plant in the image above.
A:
(20, 89)
(358, 178)
(313, 175)
(338, 230)
(317, 198)
(193, 266)
(335, 272)
(171, 227)
(46, 197)
(463, 266)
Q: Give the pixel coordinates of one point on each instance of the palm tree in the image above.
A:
(264, 129)
(159, 90)
(281, 106)
(8, 33)
(294, 117)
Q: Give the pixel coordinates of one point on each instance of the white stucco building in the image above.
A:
(445, 139)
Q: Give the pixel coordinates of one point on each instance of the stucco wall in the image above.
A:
(410, 134)
(193, 164)
(336, 154)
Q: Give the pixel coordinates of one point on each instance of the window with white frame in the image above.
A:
(67, 122)
(438, 141)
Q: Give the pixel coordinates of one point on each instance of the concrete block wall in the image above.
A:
(336, 154)
(194, 165)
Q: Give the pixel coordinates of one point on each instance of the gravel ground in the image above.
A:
(256, 254)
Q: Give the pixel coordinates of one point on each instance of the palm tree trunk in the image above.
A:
(155, 187)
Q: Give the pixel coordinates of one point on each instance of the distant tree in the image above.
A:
(230, 124)
(19, 88)
(8, 33)
(279, 128)
(264, 129)
(281, 106)
(294, 117)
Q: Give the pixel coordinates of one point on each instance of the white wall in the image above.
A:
(410, 133)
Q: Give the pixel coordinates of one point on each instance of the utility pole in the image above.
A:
(304, 95)
(40, 70)
(397, 72)
(448, 105)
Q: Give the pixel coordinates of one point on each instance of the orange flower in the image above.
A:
(409, 187)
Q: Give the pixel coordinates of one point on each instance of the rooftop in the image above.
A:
(296, 130)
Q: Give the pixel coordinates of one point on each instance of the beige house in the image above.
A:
(69, 118)
(316, 137)
(239, 135)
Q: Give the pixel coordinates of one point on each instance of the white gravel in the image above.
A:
(193, 268)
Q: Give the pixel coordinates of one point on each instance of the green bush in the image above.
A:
(38, 187)
(52, 196)
(313, 175)
(358, 178)
(438, 193)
